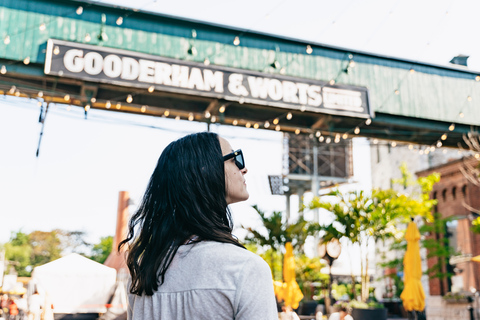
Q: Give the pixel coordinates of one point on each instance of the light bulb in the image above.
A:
(56, 50)
(190, 117)
(236, 41)
(151, 89)
(129, 98)
(143, 109)
(3, 70)
(177, 118)
(26, 60)
(345, 136)
(289, 116)
(88, 37)
(368, 121)
(248, 125)
(297, 131)
(303, 108)
(87, 107)
(93, 100)
(321, 138)
(318, 134)
(469, 98)
(118, 106)
(42, 27)
(444, 136)
(40, 94)
(222, 109)
(119, 21)
(461, 115)
(332, 82)
(235, 122)
(206, 62)
(256, 126)
(207, 114)
(267, 124)
(108, 104)
(66, 97)
(309, 49)
(328, 140)
(79, 10)
(213, 119)
(275, 121)
(166, 113)
(6, 40)
(410, 146)
(394, 144)
(277, 128)
(357, 130)
(439, 144)
(452, 127)
(375, 141)
(397, 92)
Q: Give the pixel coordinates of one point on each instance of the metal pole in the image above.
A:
(315, 188)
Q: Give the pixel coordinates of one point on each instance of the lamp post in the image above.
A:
(329, 251)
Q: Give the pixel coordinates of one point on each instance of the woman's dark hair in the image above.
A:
(185, 196)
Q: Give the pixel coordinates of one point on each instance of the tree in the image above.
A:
(18, 252)
(365, 219)
(101, 251)
(46, 247)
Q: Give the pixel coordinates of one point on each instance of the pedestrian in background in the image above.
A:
(183, 259)
(13, 309)
(22, 308)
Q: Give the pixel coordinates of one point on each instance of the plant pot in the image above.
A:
(456, 301)
(368, 314)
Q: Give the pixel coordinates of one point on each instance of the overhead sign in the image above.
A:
(129, 68)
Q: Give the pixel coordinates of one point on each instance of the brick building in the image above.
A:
(457, 198)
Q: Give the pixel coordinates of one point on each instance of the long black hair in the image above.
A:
(185, 196)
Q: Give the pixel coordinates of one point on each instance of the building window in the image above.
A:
(464, 190)
(454, 192)
(444, 194)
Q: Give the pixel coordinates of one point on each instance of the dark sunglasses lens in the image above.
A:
(239, 161)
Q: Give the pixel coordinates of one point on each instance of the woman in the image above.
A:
(183, 260)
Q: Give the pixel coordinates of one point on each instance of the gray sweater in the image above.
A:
(210, 281)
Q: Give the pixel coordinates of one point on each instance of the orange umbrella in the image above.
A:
(413, 295)
(291, 294)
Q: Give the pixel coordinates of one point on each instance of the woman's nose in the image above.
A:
(244, 170)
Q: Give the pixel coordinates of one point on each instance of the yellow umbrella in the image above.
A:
(476, 259)
(413, 295)
(291, 294)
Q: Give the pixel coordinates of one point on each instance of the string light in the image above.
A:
(222, 109)
(368, 121)
(3, 70)
(213, 119)
(236, 41)
(6, 40)
(394, 144)
(93, 100)
(66, 97)
(297, 131)
(87, 107)
(444, 136)
(190, 117)
(345, 136)
(289, 116)
(275, 121)
(321, 138)
(318, 134)
(439, 144)
(79, 10)
(151, 89)
(235, 122)
(143, 109)
(26, 61)
(129, 98)
(119, 21)
(267, 124)
(42, 27)
(256, 126)
(328, 140)
(452, 127)
(309, 49)
(108, 104)
(248, 125)
(39, 94)
(56, 50)
(332, 82)
(166, 113)
(118, 106)
(357, 130)
(277, 128)
(207, 114)
(337, 138)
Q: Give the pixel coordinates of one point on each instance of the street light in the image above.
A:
(329, 251)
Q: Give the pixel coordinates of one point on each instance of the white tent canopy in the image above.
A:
(76, 284)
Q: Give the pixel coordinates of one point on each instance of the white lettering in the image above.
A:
(147, 68)
(235, 85)
(163, 72)
(302, 93)
(258, 87)
(112, 66)
(290, 92)
(196, 79)
(213, 80)
(315, 98)
(179, 76)
(275, 89)
(73, 60)
(130, 68)
(93, 63)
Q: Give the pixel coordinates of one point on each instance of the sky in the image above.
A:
(84, 163)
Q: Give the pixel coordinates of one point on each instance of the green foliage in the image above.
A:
(18, 252)
(101, 251)
(476, 225)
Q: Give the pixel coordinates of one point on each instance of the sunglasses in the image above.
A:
(238, 155)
